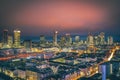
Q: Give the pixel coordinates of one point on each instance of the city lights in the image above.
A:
(64, 52)
(60, 40)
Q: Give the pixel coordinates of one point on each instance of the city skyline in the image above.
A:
(15, 40)
(59, 40)
(77, 59)
(50, 36)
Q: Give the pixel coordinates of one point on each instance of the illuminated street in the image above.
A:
(60, 40)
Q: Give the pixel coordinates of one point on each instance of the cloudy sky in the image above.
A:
(35, 17)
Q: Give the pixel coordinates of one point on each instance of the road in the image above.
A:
(93, 72)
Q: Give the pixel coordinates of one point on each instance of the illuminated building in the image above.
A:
(102, 38)
(55, 38)
(110, 40)
(5, 37)
(17, 38)
(68, 40)
(71, 40)
(62, 41)
(103, 72)
(38, 74)
(81, 41)
(28, 44)
(96, 38)
(109, 68)
(77, 39)
(42, 40)
(67, 37)
(10, 41)
(90, 39)
(31, 75)
(20, 74)
(9, 72)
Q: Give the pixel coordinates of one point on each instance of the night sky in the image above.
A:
(35, 17)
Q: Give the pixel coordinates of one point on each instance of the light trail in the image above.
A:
(111, 56)
(111, 52)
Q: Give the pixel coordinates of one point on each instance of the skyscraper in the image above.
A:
(28, 44)
(62, 41)
(55, 38)
(5, 37)
(102, 38)
(96, 40)
(42, 40)
(17, 38)
(77, 39)
(90, 39)
(68, 40)
(10, 41)
(110, 40)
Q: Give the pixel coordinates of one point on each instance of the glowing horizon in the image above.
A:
(44, 17)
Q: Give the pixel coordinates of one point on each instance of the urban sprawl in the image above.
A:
(95, 58)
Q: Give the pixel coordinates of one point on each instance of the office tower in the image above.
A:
(42, 40)
(77, 39)
(55, 38)
(5, 37)
(81, 42)
(68, 39)
(110, 40)
(10, 41)
(96, 40)
(17, 38)
(27, 43)
(90, 39)
(102, 38)
(71, 40)
(62, 41)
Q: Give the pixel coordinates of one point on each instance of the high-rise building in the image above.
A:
(42, 40)
(102, 38)
(5, 37)
(28, 44)
(10, 41)
(71, 40)
(77, 39)
(67, 37)
(62, 41)
(17, 38)
(55, 38)
(68, 40)
(110, 40)
(90, 39)
(96, 40)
